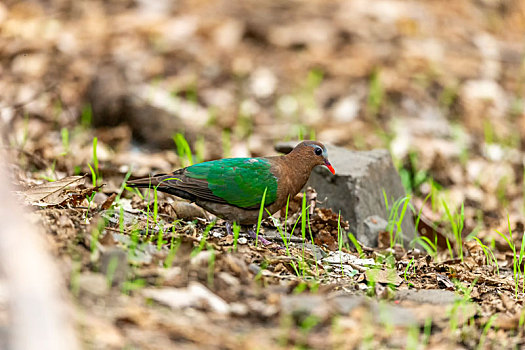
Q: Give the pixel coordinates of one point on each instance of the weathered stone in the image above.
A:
(344, 304)
(114, 265)
(393, 315)
(303, 305)
(93, 285)
(436, 305)
(195, 295)
(202, 258)
(374, 225)
(254, 268)
(153, 114)
(357, 188)
(317, 251)
(428, 296)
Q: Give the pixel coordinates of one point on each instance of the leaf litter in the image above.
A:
(56, 192)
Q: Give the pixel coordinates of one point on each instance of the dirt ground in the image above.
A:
(95, 92)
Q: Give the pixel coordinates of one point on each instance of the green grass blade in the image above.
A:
(259, 219)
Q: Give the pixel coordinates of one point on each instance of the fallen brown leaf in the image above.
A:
(51, 193)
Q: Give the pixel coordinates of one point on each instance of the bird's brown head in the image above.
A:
(312, 152)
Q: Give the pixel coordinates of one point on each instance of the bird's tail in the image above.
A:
(151, 182)
(164, 183)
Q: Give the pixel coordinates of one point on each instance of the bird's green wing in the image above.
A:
(237, 181)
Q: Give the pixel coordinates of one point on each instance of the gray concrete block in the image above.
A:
(356, 190)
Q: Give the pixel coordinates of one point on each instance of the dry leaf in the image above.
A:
(51, 193)
(107, 203)
(383, 276)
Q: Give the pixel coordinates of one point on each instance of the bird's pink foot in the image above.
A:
(253, 235)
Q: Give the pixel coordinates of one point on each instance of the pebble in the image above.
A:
(92, 284)
(195, 295)
(114, 265)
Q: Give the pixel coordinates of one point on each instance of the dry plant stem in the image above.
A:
(38, 310)
(274, 236)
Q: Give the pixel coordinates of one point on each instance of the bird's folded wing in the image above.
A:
(237, 181)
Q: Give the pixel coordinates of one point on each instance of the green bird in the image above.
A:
(233, 188)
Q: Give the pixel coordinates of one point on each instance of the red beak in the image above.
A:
(329, 166)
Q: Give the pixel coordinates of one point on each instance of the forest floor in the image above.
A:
(95, 92)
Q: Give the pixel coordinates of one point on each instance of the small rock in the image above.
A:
(170, 273)
(254, 268)
(202, 258)
(444, 282)
(304, 305)
(103, 333)
(93, 284)
(393, 315)
(343, 258)
(374, 225)
(114, 265)
(428, 296)
(344, 304)
(195, 295)
(438, 305)
(125, 203)
(228, 279)
(152, 113)
(338, 258)
(236, 265)
(262, 308)
(416, 253)
(239, 309)
(317, 251)
(216, 234)
(474, 195)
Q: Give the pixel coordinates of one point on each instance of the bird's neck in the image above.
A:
(299, 169)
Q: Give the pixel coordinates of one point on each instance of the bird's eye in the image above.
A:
(318, 151)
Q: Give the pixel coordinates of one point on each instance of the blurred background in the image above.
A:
(439, 83)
